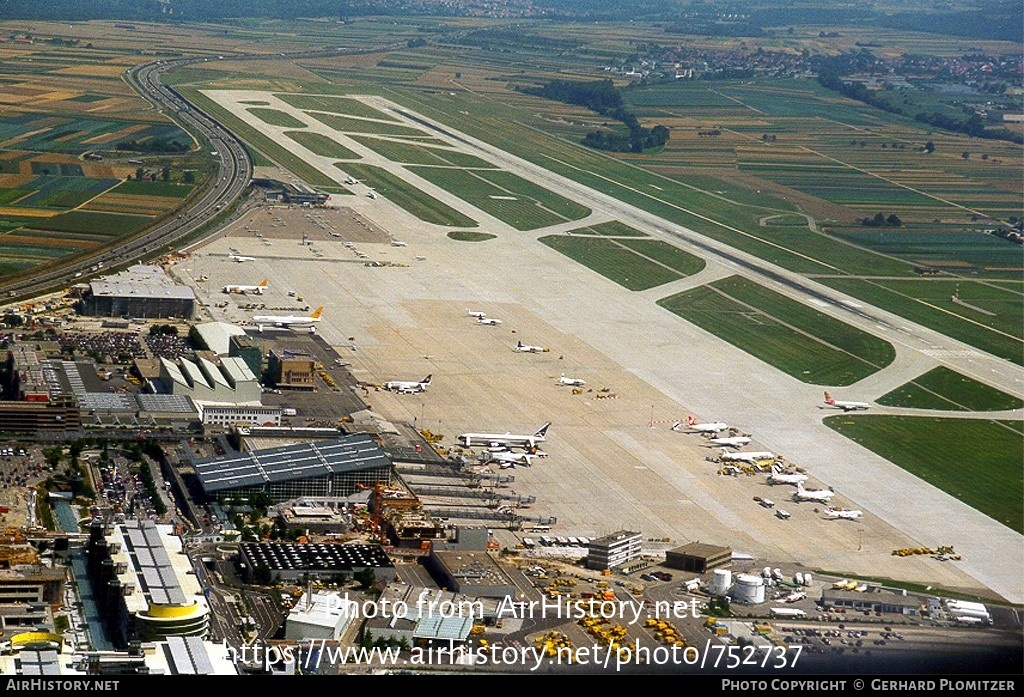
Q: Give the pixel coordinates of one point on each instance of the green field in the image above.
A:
(796, 339)
(667, 254)
(398, 191)
(942, 388)
(276, 117)
(507, 197)
(322, 145)
(977, 461)
(613, 261)
(162, 189)
(470, 236)
(111, 224)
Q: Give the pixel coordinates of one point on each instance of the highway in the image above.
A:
(234, 172)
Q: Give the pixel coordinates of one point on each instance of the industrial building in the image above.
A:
(292, 369)
(470, 573)
(248, 349)
(614, 550)
(139, 291)
(698, 558)
(229, 382)
(31, 583)
(320, 615)
(173, 656)
(294, 562)
(144, 583)
(230, 414)
(872, 601)
(217, 336)
(325, 468)
(35, 398)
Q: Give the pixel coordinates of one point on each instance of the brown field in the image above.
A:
(48, 241)
(27, 212)
(93, 70)
(144, 205)
(108, 137)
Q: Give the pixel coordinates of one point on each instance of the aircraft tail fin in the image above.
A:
(677, 425)
(690, 421)
(425, 381)
(316, 312)
(263, 283)
(543, 430)
(828, 399)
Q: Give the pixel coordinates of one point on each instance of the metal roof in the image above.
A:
(153, 564)
(189, 656)
(303, 461)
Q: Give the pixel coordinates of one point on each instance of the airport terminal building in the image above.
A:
(334, 467)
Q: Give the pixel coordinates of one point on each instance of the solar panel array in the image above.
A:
(39, 662)
(292, 462)
(287, 556)
(153, 564)
(189, 656)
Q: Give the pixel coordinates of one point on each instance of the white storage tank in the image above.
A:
(807, 579)
(798, 579)
(748, 589)
(766, 572)
(721, 580)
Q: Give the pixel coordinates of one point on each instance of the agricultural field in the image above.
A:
(942, 388)
(976, 461)
(512, 199)
(796, 339)
(398, 191)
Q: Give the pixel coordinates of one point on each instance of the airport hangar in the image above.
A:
(323, 468)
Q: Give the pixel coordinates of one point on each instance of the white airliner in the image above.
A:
(255, 290)
(845, 406)
(489, 321)
(802, 494)
(506, 459)
(694, 427)
(777, 476)
(476, 313)
(746, 457)
(844, 514)
(508, 440)
(575, 382)
(239, 258)
(407, 386)
(731, 442)
(296, 321)
(530, 349)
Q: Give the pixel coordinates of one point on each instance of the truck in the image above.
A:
(288, 411)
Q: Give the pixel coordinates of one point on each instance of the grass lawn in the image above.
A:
(942, 388)
(977, 461)
(796, 339)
